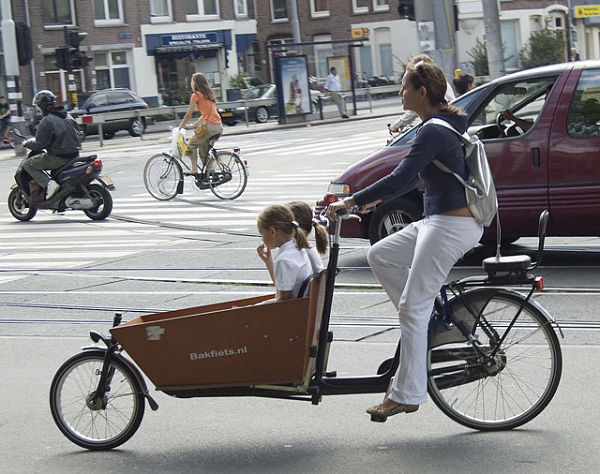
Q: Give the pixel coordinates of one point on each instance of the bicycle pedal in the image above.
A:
(378, 418)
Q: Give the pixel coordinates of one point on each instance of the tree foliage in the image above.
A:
(545, 46)
(479, 58)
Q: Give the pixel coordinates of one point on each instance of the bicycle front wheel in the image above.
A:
(162, 175)
(493, 391)
(227, 175)
(96, 423)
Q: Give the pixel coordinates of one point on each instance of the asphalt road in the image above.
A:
(61, 276)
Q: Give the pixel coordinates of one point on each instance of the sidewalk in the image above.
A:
(158, 131)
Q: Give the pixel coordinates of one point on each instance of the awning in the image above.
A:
(244, 42)
(192, 48)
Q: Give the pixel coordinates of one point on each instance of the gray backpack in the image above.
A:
(479, 186)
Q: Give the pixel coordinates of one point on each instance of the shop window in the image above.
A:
(383, 50)
(279, 10)
(57, 12)
(319, 8)
(360, 6)
(112, 70)
(510, 43)
(241, 8)
(381, 5)
(201, 8)
(160, 9)
(108, 12)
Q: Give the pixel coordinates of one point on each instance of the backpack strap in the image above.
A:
(464, 137)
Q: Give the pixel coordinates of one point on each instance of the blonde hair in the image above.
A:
(200, 84)
(281, 218)
(431, 77)
(304, 216)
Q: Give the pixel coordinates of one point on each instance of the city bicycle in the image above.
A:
(224, 172)
(494, 359)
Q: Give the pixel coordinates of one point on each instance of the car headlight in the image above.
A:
(339, 188)
(241, 109)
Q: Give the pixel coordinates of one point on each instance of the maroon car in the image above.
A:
(548, 160)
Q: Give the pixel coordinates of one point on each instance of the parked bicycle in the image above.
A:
(494, 360)
(224, 172)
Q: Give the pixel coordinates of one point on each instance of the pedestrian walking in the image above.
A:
(332, 84)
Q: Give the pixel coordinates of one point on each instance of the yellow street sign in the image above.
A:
(583, 11)
(359, 33)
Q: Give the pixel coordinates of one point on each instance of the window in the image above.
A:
(322, 52)
(202, 7)
(108, 12)
(279, 10)
(584, 116)
(360, 6)
(510, 43)
(57, 12)
(111, 69)
(319, 8)
(160, 8)
(381, 5)
(366, 63)
(241, 7)
(524, 100)
(383, 50)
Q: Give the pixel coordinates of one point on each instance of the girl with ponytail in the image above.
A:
(303, 214)
(291, 266)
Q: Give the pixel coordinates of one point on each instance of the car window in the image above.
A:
(524, 100)
(584, 116)
(98, 100)
(118, 98)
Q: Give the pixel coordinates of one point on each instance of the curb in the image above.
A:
(95, 147)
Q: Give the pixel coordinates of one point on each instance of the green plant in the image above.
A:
(239, 80)
(545, 46)
(479, 58)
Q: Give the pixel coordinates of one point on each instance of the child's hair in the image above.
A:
(304, 216)
(201, 85)
(281, 218)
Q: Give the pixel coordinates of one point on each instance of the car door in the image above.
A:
(574, 175)
(518, 155)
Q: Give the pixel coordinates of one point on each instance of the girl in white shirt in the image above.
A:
(291, 266)
(303, 214)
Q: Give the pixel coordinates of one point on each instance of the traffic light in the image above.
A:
(406, 9)
(70, 57)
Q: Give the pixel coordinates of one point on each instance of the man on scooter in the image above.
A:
(58, 135)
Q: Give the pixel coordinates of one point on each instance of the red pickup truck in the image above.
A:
(547, 158)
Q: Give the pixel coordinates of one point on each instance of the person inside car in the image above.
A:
(57, 140)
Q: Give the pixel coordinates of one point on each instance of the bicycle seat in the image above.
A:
(212, 140)
(513, 263)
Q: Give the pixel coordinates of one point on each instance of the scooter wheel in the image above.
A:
(19, 207)
(104, 202)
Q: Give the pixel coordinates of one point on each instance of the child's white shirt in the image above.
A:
(316, 262)
(291, 267)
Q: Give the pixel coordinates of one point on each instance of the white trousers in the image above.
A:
(412, 265)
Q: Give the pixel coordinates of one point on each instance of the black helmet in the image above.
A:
(43, 99)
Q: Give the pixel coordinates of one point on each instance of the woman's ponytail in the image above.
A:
(321, 237)
(300, 238)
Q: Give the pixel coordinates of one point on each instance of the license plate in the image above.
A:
(106, 180)
(228, 114)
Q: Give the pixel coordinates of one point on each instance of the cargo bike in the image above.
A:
(494, 359)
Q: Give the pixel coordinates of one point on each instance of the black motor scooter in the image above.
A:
(76, 190)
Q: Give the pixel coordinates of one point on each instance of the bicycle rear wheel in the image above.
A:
(162, 175)
(96, 423)
(500, 392)
(226, 174)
